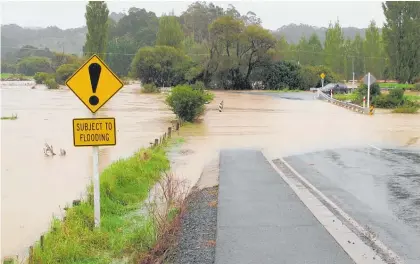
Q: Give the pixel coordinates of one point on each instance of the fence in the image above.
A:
(353, 107)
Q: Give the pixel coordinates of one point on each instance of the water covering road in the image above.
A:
(34, 187)
(379, 188)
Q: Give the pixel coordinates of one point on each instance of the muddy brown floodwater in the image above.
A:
(34, 186)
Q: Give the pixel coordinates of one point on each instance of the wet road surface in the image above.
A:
(380, 189)
(261, 220)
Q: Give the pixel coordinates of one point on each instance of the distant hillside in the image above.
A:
(293, 32)
(72, 40)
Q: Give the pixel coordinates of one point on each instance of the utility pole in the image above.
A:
(352, 66)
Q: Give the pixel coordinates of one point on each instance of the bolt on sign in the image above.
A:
(94, 83)
(94, 132)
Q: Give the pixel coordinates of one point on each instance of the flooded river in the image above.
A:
(34, 186)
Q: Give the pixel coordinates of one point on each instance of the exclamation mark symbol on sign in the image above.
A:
(94, 73)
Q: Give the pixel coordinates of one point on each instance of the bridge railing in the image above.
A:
(353, 107)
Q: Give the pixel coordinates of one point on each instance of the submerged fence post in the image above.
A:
(169, 132)
(42, 242)
(156, 142)
(177, 125)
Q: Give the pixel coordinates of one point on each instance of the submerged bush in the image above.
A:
(187, 103)
(51, 83)
(150, 88)
(41, 77)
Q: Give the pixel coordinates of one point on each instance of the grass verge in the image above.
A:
(126, 231)
(14, 77)
(396, 85)
(12, 117)
(406, 110)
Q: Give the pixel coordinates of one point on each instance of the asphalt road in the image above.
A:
(380, 189)
(261, 220)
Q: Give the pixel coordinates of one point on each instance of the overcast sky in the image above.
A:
(274, 14)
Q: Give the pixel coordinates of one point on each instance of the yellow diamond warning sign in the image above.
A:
(94, 83)
(322, 75)
(94, 132)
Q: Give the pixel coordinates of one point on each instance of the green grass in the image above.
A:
(12, 117)
(406, 109)
(19, 77)
(346, 97)
(396, 85)
(412, 97)
(125, 233)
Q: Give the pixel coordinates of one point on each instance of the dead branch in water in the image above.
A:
(48, 150)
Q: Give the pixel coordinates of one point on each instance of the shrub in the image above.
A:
(51, 83)
(64, 72)
(150, 88)
(416, 87)
(41, 77)
(198, 86)
(187, 103)
(406, 109)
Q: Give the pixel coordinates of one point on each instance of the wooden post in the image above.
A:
(42, 242)
(31, 255)
(177, 126)
(164, 136)
(169, 132)
(76, 202)
(156, 142)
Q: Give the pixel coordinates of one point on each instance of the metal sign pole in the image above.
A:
(368, 91)
(96, 189)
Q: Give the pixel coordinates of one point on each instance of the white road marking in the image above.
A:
(372, 146)
(349, 241)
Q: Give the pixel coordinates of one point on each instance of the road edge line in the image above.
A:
(359, 252)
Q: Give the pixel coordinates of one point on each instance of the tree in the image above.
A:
(64, 72)
(197, 18)
(161, 65)
(402, 35)
(373, 50)
(97, 24)
(170, 32)
(120, 54)
(357, 57)
(315, 50)
(30, 65)
(334, 47)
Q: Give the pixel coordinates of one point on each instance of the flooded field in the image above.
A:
(34, 186)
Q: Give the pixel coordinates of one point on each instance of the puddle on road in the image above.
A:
(281, 127)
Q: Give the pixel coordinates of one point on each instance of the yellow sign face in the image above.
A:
(94, 83)
(94, 132)
(322, 75)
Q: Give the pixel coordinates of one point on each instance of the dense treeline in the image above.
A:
(224, 48)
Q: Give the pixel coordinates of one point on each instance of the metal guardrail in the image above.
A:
(353, 107)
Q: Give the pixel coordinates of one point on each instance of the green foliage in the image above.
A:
(281, 75)
(124, 185)
(416, 87)
(373, 47)
(30, 65)
(170, 32)
(334, 41)
(198, 86)
(394, 99)
(97, 24)
(188, 103)
(51, 83)
(400, 33)
(161, 65)
(8, 67)
(41, 77)
(64, 72)
(14, 77)
(118, 58)
(406, 109)
(150, 88)
(375, 90)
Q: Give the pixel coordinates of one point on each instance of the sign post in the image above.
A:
(94, 84)
(369, 80)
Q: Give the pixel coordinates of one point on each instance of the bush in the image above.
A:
(150, 88)
(187, 103)
(406, 109)
(41, 77)
(416, 87)
(64, 72)
(30, 65)
(51, 83)
(198, 86)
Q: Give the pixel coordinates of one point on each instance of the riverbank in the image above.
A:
(126, 232)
